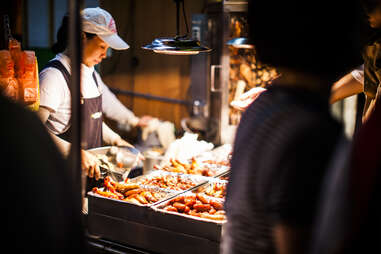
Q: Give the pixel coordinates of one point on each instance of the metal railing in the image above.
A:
(150, 96)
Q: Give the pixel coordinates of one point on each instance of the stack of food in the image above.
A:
(197, 205)
(204, 168)
(168, 181)
(130, 192)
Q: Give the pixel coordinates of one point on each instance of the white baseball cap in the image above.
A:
(100, 22)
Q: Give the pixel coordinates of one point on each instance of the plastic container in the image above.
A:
(8, 83)
(26, 76)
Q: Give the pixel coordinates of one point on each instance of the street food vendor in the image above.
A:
(98, 34)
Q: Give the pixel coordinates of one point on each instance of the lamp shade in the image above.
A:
(240, 42)
(176, 46)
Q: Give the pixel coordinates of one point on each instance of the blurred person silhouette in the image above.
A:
(43, 209)
(349, 218)
(287, 136)
(364, 79)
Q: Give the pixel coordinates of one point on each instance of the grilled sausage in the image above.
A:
(170, 208)
(122, 188)
(131, 192)
(217, 205)
(202, 207)
(179, 206)
(212, 216)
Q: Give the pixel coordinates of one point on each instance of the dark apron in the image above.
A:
(92, 118)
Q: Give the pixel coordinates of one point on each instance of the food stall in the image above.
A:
(177, 207)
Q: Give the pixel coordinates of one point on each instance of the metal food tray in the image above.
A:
(159, 207)
(165, 193)
(152, 229)
(123, 210)
(187, 224)
(196, 179)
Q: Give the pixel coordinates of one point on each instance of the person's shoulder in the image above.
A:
(51, 77)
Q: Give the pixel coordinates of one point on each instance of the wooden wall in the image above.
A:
(139, 22)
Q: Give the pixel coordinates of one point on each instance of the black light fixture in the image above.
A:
(179, 45)
(240, 42)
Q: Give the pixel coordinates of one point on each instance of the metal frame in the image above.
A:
(75, 45)
(218, 79)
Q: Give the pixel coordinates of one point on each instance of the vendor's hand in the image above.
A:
(90, 165)
(121, 142)
(247, 98)
(141, 157)
(144, 120)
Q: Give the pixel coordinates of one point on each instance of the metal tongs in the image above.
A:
(126, 156)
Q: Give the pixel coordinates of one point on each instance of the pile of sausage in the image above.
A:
(192, 168)
(130, 192)
(197, 205)
(172, 182)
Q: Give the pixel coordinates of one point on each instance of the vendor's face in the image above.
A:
(94, 50)
(374, 18)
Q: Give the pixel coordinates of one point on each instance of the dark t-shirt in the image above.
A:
(281, 150)
(372, 65)
(41, 211)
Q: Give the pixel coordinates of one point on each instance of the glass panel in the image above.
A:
(245, 71)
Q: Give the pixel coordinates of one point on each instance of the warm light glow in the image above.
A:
(243, 46)
(176, 52)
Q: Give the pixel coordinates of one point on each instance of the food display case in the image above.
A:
(154, 227)
(228, 71)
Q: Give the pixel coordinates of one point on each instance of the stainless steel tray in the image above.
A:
(164, 194)
(160, 208)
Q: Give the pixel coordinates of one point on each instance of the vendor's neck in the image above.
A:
(67, 52)
(306, 81)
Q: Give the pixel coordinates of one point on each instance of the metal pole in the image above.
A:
(177, 18)
(75, 54)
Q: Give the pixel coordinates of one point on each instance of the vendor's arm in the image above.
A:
(116, 111)
(62, 144)
(88, 163)
(112, 138)
(349, 85)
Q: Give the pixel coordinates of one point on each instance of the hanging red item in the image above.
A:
(8, 83)
(19, 75)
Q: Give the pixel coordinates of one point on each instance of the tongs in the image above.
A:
(126, 156)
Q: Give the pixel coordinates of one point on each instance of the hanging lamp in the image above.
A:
(178, 45)
(240, 42)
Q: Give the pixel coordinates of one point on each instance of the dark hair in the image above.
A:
(319, 38)
(370, 5)
(63, 36)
